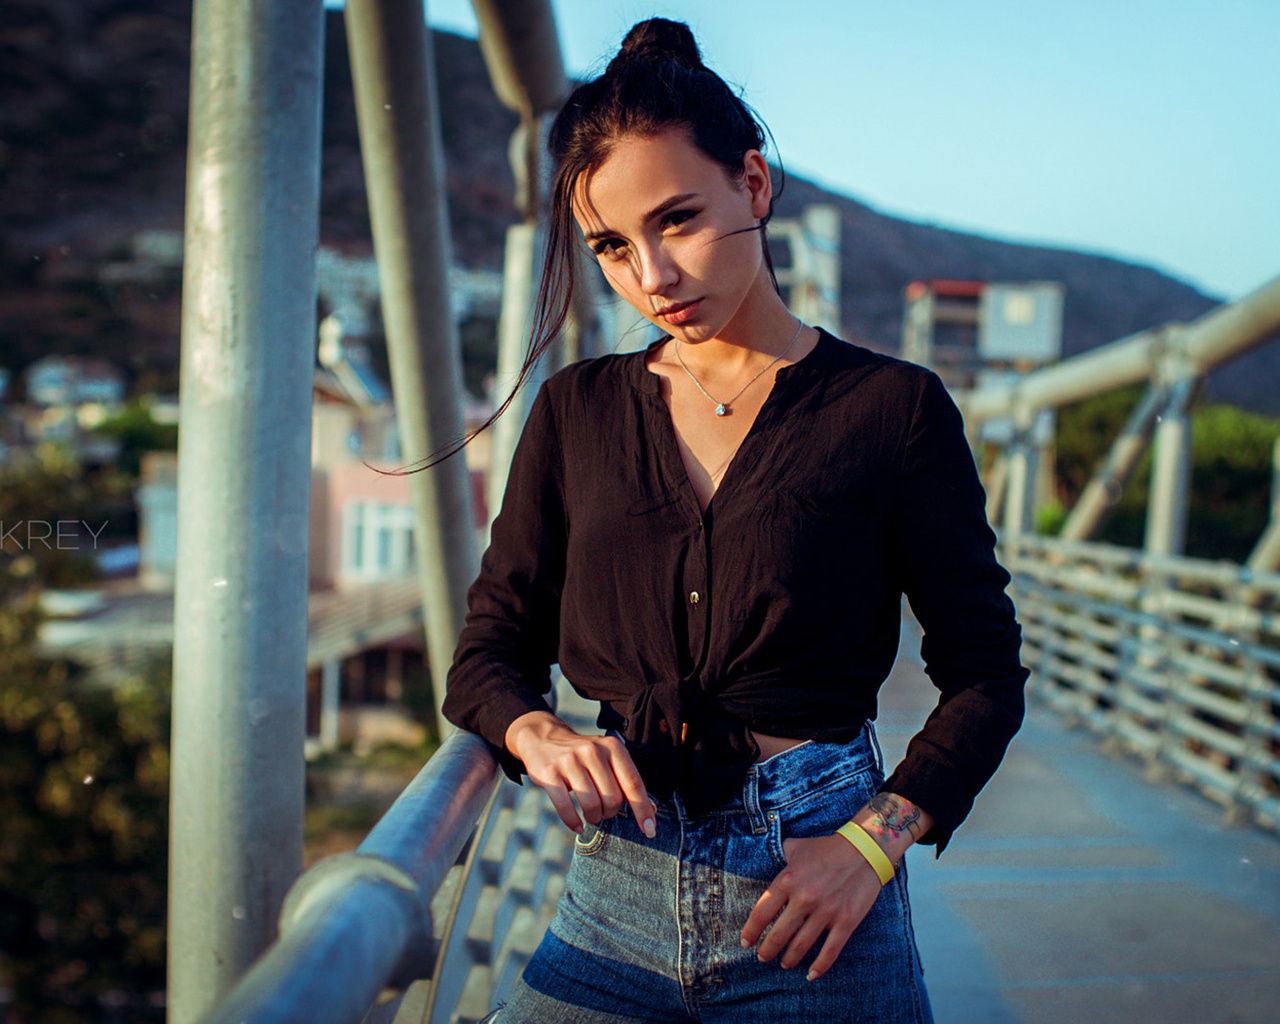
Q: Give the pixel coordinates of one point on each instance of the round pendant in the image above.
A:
(720, 409)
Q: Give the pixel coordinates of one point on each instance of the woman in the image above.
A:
(712, 538)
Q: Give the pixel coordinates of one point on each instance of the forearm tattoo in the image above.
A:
(893, 816)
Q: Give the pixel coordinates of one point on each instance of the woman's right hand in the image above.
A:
(596, 771)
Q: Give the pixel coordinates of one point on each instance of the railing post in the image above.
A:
(1166, 529)
(240, 618)
(1265, 556)
(1021, 479)
(393, 69)
(522, 52)
(521, 265)
(1107, 485)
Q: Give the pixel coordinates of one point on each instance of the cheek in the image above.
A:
(620, 279)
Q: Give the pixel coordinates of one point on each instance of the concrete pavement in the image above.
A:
(1077, 891)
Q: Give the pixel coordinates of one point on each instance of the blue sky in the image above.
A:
(1143, 129)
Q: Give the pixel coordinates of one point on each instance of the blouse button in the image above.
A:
(694, 597)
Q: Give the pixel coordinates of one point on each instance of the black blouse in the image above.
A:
(777, 610)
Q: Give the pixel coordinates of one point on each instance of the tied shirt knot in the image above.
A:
(678, 746)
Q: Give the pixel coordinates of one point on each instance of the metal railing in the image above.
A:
(1174, 659)
(429, 920)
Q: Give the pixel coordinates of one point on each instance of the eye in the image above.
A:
(674, 218)
(609, 248)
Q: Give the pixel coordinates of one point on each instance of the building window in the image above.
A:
(377, 540)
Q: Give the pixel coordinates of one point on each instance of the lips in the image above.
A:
(680, 312)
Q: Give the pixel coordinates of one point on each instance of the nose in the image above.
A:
(657, 271)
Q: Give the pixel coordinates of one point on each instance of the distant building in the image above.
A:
(71, 380)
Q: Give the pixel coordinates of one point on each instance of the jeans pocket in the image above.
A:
(592, 838)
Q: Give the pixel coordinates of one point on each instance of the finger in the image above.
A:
(803, 940)
(837, 937)
(583, 788)
(766, 909)
(780, 934)
(563, 805)
(605, 782)
(633, 789)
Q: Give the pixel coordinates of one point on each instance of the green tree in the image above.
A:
(83, 796)
(138, 433)
(1231, 471)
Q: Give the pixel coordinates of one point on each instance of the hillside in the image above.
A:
(92, 150)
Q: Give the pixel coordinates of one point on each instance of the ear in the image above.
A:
(755, 179)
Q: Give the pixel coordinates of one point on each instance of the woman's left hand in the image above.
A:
(827, 886)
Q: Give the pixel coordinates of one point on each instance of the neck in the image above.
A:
(753, 337)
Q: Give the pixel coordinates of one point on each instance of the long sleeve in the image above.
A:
(501, 667)
(971, 638)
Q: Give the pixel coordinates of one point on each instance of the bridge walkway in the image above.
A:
(1079, 891)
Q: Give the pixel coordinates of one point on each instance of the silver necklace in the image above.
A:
(722, 408)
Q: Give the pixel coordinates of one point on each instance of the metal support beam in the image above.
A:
(330, 702)
(1104, 489)
(1166, 530)
(521, 49)
(240, 621)
(393, 68)
(1019, 505)
(1265, 556)
(359, 922)
(1216, 337)
(522, 263)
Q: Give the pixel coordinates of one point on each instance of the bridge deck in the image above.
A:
(1078, 891)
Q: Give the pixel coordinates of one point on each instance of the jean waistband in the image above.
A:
(797, 772)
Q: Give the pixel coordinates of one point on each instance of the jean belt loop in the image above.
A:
(875, 745)
(751, 800)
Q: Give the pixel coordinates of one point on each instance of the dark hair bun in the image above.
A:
(659, 40)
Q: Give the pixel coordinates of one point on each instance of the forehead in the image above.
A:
(641, 172)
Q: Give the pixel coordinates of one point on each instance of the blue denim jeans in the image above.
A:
(648, 929)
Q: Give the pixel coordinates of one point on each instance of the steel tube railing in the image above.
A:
(359, 923)
(1163, 654)
(240, 606)
(393, 75)
(1217, 336)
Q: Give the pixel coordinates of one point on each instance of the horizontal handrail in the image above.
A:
(357, 924)
(1176, 659)
(1214, 338)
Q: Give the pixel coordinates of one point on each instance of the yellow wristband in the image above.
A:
(869, 848)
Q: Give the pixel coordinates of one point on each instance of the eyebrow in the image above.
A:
(652, 215)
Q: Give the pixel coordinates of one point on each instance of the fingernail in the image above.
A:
(811, 976)
(746, 944)
(650, 827)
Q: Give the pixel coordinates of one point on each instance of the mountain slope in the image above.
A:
(92, 150)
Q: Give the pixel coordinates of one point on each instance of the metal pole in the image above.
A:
(521, 49)
(523, 259)
(1107, 484)
(330, 703)
(359, 922)
(1019, 506)
(1166, 529)
(393, 67)
(1216, 337)
(240, 620)
(1265, 556)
